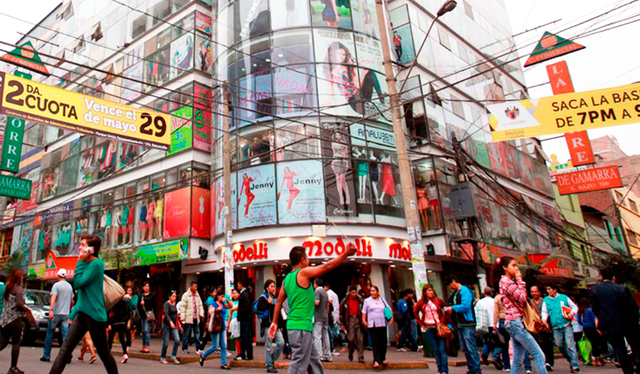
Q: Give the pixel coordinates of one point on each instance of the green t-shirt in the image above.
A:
(302, 304)
(89, 282)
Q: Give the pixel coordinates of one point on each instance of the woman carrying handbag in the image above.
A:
(147, 307)
(430, 315)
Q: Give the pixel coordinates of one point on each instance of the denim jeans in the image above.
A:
(524, 342)
(188, 327)
(467, 336)
(61, 320)
(406, 337)
(215, 340)
(321, 339)
(146, 332)
(566, 344)
(167, 332)
(439, 346)
(272, 348)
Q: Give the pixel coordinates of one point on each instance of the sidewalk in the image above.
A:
(397, 360)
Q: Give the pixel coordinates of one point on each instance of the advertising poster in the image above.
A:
(181, 55)
(300, 192)
(338, 173)
(295, 89)
(174, 250)
(291, 13)
(29, 205)
(374, 137)
(221, 207)
(25, 243)
(200, 213)
(369, 53)
(365, 17)
(132, 83)
(204, 60)
(403, 44)
(253, 16)
(257, 196)
(203, 23)
(202, 118)
(181, 130)
(177, 205)
(251, 97)
(331, 13)
(336, 52)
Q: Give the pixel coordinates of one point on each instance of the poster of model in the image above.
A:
(331, 13)
(181, 55)
(205, 57)
(403, 44)
(369, 53)
(291, 13)
(221, 206)
(365, 17)
(300, 192)
(257, 196)
(132, 83)
(339, 178)
(338, 74)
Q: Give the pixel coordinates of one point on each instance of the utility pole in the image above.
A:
(227, 211)
(404, 165)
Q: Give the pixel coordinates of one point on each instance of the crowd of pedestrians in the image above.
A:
(305, 320)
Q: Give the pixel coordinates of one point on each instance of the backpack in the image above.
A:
(262, 314)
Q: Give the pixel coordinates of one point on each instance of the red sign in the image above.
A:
(580, 148)
(53, 264)
(551, 46)
(559, 78)
(553, 267)
(29, 205)
(201, 213)
(587, 180)
(27, 57)
(177, 205)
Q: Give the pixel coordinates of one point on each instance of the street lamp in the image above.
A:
(447, 7)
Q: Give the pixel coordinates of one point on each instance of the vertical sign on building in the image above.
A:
(13, 136)
(578, 142)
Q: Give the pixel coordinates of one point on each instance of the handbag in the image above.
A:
(151, 316)
(388, 314)
(112, 291)
(214, 325)
(532, 320)
(443, 330)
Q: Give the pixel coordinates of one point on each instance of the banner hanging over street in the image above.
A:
(32, 101)
(569, 112)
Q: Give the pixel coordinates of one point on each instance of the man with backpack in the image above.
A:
(264, 308)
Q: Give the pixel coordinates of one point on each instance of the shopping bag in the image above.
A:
(113, 292)
(584, 345)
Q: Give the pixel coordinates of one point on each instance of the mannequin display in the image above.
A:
(158, 214)
(388, 184)
(434, 204)
(129, 154)
(374, 170)
(244, 149)
(107, 230)
(103, 222)
(142, 224)
(129, 224)
(107, 155)
(117, 223)
(423, 202)
(151, 223)
(340, 167)
(122, 232)
(363, 174)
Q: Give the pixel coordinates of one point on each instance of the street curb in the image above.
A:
(282, 365)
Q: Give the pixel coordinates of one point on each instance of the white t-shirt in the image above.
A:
(333, 298)
(487, 303)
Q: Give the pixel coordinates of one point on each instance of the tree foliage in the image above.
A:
(625, 268)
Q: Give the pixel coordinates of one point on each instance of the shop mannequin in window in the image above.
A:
(151, 223)
(103, 222)
(363, 174)
(107, 230)
(245, 149)
(142, 224)
(158, 214)
(117, 224)
(340, 167)
(434, 204)
(107, 156)
(423, 202)
(128, 230)
(129, 154)
(388, 183)
(374, 170)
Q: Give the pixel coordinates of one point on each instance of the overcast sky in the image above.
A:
(609, 60)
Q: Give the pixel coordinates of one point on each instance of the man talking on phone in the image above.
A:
(89, 313)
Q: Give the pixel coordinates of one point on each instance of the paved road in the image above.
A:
(31, 365)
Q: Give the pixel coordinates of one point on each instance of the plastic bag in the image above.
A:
(584, 346)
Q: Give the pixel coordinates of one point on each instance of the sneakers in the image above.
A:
(164, 361)
(238, 358)
(199, 352)
(335, 353)
(145, 349)
(506, 370)
(402, 350)
(15, 370)
(93, 359)
(529, 372)
(575, 370)
(549, 367)
(272, 370)
(202, 361)
(185, 351)
(45, 359)
(125, 358)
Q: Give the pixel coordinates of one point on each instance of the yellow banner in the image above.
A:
(565, 113)
(73, 111)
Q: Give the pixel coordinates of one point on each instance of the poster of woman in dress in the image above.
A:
(403, 44)
(331, 13)
(300, 192)
(181, 55)
(339, 179)
(205, 57)
(257, 197)
(365, 17)
(290, 13)
(221, 207)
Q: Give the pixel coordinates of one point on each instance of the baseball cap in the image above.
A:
(62, 273)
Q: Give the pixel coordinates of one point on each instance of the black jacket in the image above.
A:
(245, 309)
(119, 314)
(614, 307)
(149, 304)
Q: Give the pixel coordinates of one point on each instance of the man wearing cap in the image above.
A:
(61, 295)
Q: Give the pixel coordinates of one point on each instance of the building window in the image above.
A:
(618, 235)
(468, 10)
(633, 240)
(633, 205)
(607, 225)
(620, 198)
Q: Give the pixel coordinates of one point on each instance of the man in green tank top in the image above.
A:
(297, 288)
